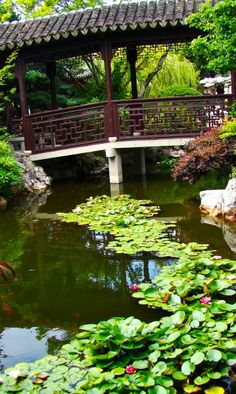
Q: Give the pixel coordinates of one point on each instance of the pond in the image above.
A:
(65, 276)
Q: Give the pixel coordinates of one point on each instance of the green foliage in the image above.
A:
(216, 50)
(170, 91)
(176, 71)
(126, 219)
(189, 350)
(10, 172)
(232, 113)
(6, 76)
(228, 130)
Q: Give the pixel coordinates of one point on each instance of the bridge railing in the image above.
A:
(124, 119)
(170, 117)
(64, 128)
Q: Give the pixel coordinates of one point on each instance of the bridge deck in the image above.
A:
(129, 122)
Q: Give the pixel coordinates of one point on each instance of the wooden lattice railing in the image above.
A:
(66, 127)
(124, 119)
(171, 117)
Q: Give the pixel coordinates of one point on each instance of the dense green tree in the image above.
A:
(216, 50)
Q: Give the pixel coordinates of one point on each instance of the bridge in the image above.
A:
(120, 29)
(115, 125)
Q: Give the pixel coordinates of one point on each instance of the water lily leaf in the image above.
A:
(159, 368)
(187, 368)
(198, 315)
(195, 323)
(231, 358)
(174, 300)
(214, 390)
(178, 317)
(157, 390)
(214, 355)
(221, 326)
(145, 379)
(178, 375)
(153, 357)
(165, 381)
(187, 339)
(172, 337)
(197, 358)
(192, 389)
(199, 380)
(214, 375)
(140, 364)
(118, 371)
(228, 292)
(88, 327)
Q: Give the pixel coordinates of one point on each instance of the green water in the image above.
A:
(64, 274)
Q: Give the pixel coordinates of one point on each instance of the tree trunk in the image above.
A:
(152, 74)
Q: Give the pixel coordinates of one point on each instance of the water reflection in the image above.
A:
(228, 229)
(28, 344)
(65, 274)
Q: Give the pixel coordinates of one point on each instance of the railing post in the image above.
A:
(28, 134)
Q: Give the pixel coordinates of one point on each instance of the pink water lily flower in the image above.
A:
(134, 287)
(205, 300)
(130, 369)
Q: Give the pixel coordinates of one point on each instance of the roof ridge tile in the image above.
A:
(133, 15)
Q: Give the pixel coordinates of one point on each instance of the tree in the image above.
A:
(20, 9)
(216, 50)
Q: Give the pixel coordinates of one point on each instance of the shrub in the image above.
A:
(205, 153)
(171, 91)
(10, 172)
(228, 130)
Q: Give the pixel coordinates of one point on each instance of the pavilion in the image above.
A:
(105, 31)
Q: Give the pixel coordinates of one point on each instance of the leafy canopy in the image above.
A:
(216, 51)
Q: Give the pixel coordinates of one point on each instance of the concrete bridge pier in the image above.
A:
(115, 165)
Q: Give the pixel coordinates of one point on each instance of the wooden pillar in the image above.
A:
(132, 58)
(51, 73)
(20, 75)
(110, 117)
(26, 121)
(107, 56)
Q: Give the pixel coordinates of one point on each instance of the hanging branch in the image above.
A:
(152, 74)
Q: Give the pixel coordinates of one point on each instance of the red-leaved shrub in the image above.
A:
(205, 153)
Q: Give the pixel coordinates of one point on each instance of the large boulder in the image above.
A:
(35, 180)
(220, 202)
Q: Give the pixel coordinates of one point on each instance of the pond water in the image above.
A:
(64, 274)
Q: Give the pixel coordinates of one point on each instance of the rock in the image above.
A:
(39, 186)
(212, 202)
(34, 178)
(229, 233)
(220, 202)
(229, 203)
(3, 203)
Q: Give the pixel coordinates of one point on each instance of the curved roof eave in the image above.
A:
(146, 15)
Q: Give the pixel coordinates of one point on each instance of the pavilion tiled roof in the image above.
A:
(124, 16)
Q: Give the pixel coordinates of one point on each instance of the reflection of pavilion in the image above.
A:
(124, 29)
